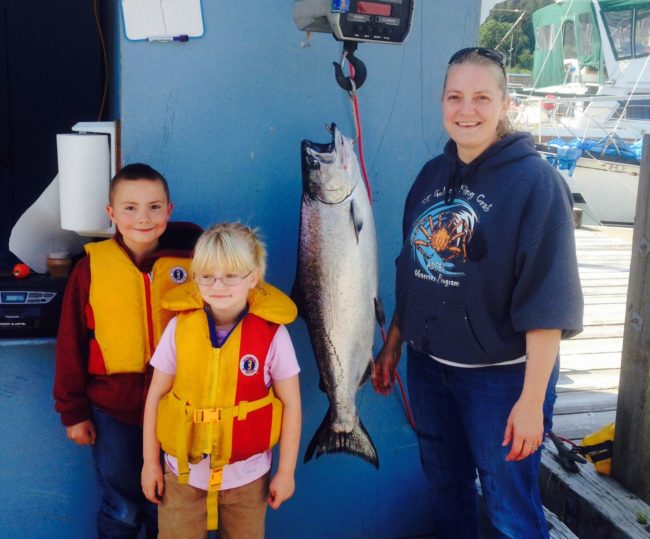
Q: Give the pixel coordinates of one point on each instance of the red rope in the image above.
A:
(357, 122)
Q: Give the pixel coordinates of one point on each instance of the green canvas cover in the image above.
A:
(578, 37)
(613, 5)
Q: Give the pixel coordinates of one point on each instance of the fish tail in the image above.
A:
(357, 442)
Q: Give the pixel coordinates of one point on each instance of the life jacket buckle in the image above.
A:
(207, 415)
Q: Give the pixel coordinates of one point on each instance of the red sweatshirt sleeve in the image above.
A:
(71, 371)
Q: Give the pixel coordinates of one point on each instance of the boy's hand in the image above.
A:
(82, 433)
(281, 489)
(152, 481)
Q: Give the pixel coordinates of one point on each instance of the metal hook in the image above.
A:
(350, 84)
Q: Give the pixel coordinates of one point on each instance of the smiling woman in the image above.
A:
(480, 307)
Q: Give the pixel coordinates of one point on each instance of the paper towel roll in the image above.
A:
(38, 231)
(84, 176)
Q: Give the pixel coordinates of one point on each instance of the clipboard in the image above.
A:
(151, 19)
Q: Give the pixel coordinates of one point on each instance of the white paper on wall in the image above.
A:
(145, 19)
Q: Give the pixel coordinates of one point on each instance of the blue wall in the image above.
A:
(222, 117)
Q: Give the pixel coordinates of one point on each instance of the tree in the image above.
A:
(491, 34)
(523, 41)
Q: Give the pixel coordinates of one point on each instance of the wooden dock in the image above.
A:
(590, 363)
(591, 505)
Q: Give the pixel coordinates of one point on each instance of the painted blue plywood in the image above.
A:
(222, 117)
(47, 484)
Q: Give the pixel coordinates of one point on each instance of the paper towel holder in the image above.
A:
(108, 128)
(111, 129)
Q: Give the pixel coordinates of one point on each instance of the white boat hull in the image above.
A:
(608, 188)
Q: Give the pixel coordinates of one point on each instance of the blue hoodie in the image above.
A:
(489, 253)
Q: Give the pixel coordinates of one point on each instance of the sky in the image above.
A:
(486, 6)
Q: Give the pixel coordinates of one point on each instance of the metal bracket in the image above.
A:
(636, 321)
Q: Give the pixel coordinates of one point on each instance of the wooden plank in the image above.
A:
(615, 315)
(611, 344)
(574, 426)
(588, 381)
(593, 506)
(632, 448)
(575, 402)
(572, 363)
(616, 299)
(620, 275)
(604, 290)
(556, 528)
(595, 331)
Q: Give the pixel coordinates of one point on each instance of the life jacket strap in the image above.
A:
(240, 411)
(181, 445)
(216, 477)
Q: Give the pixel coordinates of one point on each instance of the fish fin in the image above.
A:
(357, 223)
(380, 314)
(367, 374)
(357, 442)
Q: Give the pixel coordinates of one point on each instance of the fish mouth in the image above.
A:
(326, 169)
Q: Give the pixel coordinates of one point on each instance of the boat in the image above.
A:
(589, 103)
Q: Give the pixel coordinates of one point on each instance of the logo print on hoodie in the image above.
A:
(440, 237)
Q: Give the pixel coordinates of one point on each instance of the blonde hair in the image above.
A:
(504, 127)
(226, 247)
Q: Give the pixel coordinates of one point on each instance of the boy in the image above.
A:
(111, 321)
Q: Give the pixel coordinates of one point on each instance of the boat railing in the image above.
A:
(581, 116)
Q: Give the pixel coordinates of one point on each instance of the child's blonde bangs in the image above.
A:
(229, 248)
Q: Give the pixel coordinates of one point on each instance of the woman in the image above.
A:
(487, 282)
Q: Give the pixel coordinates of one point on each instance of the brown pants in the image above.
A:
(182, 514)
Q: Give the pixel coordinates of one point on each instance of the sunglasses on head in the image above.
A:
(493, 55)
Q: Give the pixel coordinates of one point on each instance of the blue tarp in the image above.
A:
(568, 153)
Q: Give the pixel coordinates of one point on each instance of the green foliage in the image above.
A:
(520, 47)
(491, 33)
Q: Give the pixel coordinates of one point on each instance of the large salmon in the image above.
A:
(337, 288)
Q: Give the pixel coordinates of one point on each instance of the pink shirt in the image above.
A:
(281, 363)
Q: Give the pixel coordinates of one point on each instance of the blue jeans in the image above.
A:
(117, 456)
(461, 417)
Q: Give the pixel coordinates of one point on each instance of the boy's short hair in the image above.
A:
(229, 247)
(137, 171)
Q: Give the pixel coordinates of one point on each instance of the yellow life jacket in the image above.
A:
(126, 307)
(219, 404)
(598, 447)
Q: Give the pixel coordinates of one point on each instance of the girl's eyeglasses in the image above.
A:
(231, 279)
(492, 54)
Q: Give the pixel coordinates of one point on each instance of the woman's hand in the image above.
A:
(525, 426)
(524, 429)
(383, 374)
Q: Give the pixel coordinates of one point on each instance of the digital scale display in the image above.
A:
(385, 21)
(373, 8)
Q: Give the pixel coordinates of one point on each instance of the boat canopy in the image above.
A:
(628, 27)
(568, 44)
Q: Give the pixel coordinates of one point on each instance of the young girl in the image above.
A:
(224, 391)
